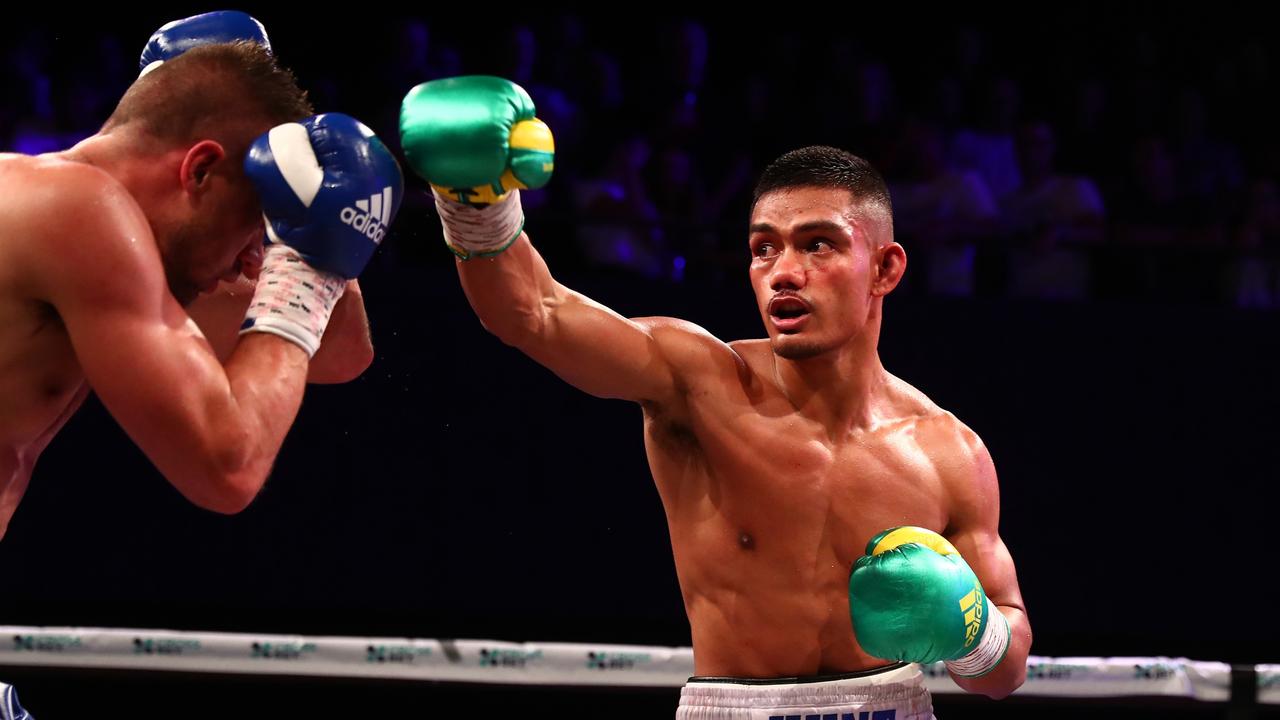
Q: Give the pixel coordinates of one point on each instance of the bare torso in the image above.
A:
(41, 383)
(767, 514)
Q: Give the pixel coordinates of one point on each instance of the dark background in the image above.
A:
(459, 490)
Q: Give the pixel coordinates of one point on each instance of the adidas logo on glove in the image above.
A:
(370, 216)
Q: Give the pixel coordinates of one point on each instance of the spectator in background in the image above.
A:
(617, 221)
(1051, 218)
(1147, 208)
(1210, 175)
(987, 146)
(941, 210)
(1255, 280)
(1087, 143)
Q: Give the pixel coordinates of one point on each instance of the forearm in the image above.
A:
(346, 349)
(244, 427)
(588, 345)
(513, 293)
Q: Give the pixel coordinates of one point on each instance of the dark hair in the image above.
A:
(824, 167)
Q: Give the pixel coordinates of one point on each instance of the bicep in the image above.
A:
(148, 362)
(151, 367)
(991, 561)
(973, 525)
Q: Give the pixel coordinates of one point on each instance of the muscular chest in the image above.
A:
(771, 479)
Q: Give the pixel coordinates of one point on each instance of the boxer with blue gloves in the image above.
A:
(777, 459)
(221, 312)
(104, 247)
(105, 244)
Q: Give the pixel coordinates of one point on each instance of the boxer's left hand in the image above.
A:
(179, 36)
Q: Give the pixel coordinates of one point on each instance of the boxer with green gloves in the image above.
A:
(776, 458)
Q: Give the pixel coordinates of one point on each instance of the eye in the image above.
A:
(765, 250)
(820, 245)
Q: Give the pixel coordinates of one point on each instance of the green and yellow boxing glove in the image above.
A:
(477, 141)
(913, 598)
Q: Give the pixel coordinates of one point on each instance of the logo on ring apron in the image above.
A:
(616, 660)
(404, 654)
(507, 658)
(1154, 671)
(164, 646)
(46, 643)
(280, 651)
(1052, 671)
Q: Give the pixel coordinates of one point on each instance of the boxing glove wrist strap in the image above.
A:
(991, 648)
(472, 231)
(292, 299)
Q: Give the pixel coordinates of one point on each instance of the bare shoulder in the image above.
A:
(912, 403)
(48, 181)
(951, 437)
(955, 448)
(972, 491)
(690, 348)
(65, 221)
(962, 462)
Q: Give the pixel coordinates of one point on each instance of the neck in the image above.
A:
(107, 153)
(842, 389)
(145, 170)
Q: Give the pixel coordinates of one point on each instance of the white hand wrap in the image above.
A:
(292, 299)
(990, 650)
(472, 231)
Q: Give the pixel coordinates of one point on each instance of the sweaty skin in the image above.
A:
(85, 303)
(777, 459)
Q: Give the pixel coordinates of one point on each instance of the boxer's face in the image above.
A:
(819, 264)
(219, 233)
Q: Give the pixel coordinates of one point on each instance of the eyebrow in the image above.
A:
(811, 226)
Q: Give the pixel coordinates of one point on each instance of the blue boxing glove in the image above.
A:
(179, 36)
(329, 190)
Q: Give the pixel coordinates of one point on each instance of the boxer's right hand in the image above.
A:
(476, 140)
(913, 598)
(329, 191)
(179, 36)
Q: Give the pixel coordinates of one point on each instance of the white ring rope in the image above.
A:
(551, 663)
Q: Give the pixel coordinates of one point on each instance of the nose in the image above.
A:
(788, 271)
(249, 261)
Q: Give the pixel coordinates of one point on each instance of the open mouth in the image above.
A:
(788, 307)
(788, 312)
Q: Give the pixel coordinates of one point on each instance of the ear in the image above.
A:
(889, 261)
(198, 164)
